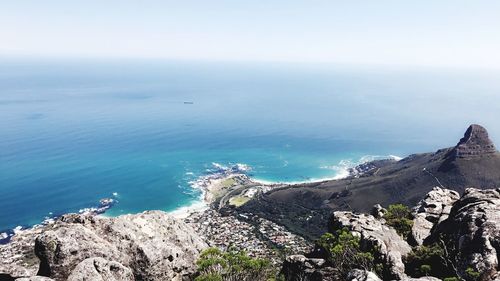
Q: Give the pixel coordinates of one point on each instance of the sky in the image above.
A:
(450, 33)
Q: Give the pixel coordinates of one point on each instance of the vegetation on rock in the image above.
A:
(399, 217)
(344, 251)
(216, 265)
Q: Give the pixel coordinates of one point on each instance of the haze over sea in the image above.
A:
(73, 132)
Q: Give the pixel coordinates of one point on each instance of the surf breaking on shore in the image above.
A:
(219, 173)
(207, 185)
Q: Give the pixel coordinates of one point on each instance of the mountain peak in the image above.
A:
(475, 143)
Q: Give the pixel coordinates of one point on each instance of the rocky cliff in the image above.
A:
(147, 246)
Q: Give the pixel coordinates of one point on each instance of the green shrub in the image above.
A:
(215, 265)
(427, 261)
(425, 269)
(472, 274)
(344, 252)
(399, 217)
(451, 279)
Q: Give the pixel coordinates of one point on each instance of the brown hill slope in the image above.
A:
(304, 208)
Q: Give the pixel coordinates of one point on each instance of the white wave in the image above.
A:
(17, 229)
(242, 167)
(185, 211)
(342, 170)
(217, 172)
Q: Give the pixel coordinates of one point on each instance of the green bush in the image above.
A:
(427, 261)
(215, 265)
(472, 274)
(344, 252)
(399, 217)
(451, 279)
(425, 269)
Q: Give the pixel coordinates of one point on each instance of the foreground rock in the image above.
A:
(375, 234)
(433, 209)
(300, 268)
(147, 246)
(472, 232)
(18, 257)
(34, 278)
(99, 269)
(362, 275)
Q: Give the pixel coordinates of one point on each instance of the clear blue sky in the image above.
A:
(423, 32)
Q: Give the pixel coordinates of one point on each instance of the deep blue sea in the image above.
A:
(75, 131)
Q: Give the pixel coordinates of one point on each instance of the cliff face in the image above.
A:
(147, 246)
(473, 162)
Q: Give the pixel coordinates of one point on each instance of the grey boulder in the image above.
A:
(375, 234)
(100, 269)
(153, 245)
(433, 209)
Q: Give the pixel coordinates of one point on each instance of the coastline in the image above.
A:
(213, 184)
(213, 187)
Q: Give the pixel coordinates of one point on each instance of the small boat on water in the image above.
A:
(188, 102)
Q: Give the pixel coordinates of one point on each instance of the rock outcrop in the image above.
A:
(472, 232)
(375, 234)
(17, 258)
(362, 275)
(433, 209)
(34, 278)
(378, 211)
(475, 143)
(300, 268)
(99, 269)
(148, 246)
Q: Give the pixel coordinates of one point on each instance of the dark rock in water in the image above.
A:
(475, 143)
(304, 208)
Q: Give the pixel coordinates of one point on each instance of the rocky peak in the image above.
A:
(475, 143)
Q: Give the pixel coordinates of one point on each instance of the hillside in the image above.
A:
(473, 162)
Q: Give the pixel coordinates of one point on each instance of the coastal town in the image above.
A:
(220, 226)
(257, 236)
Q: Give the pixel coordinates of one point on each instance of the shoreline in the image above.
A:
(211, 187)
(210, 184)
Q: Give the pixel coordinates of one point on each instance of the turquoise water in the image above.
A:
(73, 132)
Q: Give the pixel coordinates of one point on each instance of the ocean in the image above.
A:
(75, 131)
